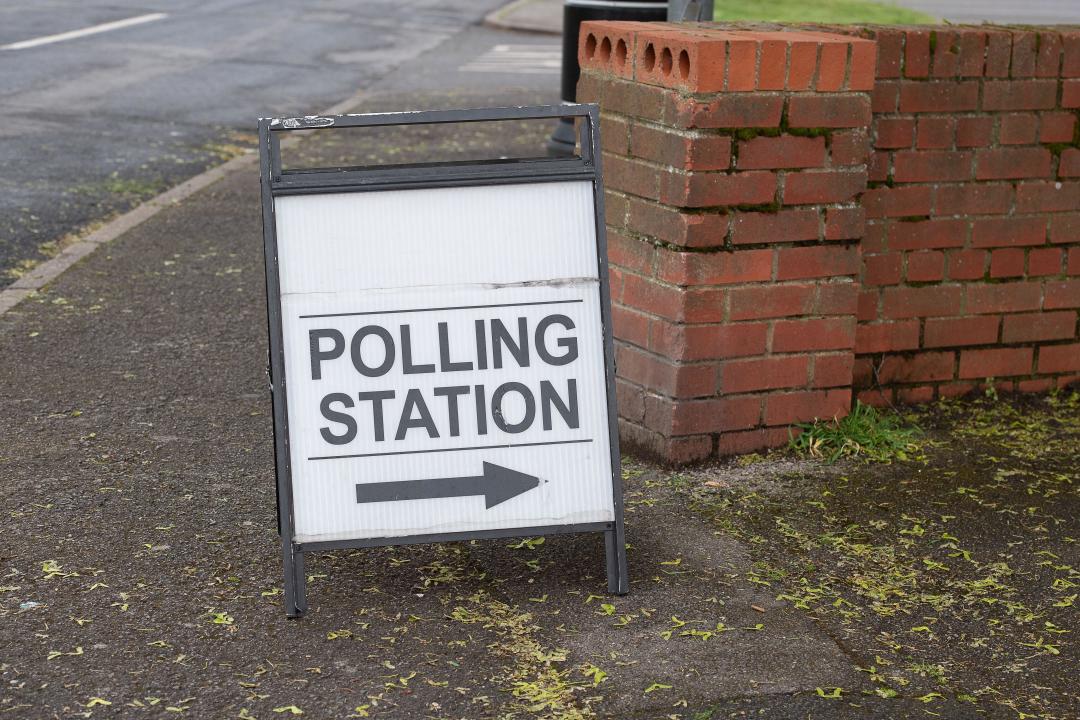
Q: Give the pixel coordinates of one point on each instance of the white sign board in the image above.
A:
(444, 358)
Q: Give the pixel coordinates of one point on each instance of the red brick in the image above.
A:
(1070, 94)
(772, 72)
(1065, 294)
(715, 189)
(935, 133)
(1056, 127)
(998, 362)
(1048, 62)
(1039, 326)
(972, 51)
(877, 397)
(615, 208)
(946, 54)
(1070, 66)
(998, 53)
(719, 268)
(802, 66)
(784, 409)
(837, 298)
(1009, 163)
(886, 337)
(956, 389)
(1070, 163)
(862, 72)
(629, 253)
(973, 199)
(1035, 386)
(867, 310)
(813, 334)
(834, 370)
(637, 178)
(703, 305)
(823, 186)
(1059, 358)
(1023, 55)
(890, 46)
(884, 269)
(939, 97)
(902, 201)
(1043, 197)
(1065, 228)
(917, 53)
(707, 416)
(816, 262)
(932, 165)
(844, 223)
(782, 226)
(849, 147)
(1007, 262)
(884, 97)
(878, 167)
(614, 134)
(1023, 95)
(874, 237)
(920, 367)
(932, 300)
(661, 375)
(739, 376)
(828, 111)
(672, 226)
(738, 443)
(688, 343)
(1073, 266)
(755, 302)
(967, 264)
(688, 150)
(631, 400)
(893, 133)
(736, 111)
(927, 266)
(650, 297)
(633, 327)
(927, 234)
(1012, 231)
(742, 65)
(786, 151)
(974, 131)
(832, 66)
(915, 395)
(1018, 129)
(954, 332)
(1003, 297)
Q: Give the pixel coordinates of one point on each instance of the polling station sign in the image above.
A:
(440, 347)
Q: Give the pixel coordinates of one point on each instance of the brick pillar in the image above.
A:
(733, 161)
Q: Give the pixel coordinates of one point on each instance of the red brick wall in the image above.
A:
(798, 216)
(971, 255)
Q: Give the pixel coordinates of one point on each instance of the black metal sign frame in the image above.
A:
(277, 183)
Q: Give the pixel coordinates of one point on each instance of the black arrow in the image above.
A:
(497, 484)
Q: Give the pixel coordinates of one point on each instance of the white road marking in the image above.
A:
(92, 30)
(518, 59)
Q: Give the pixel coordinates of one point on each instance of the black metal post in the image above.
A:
(575, 12)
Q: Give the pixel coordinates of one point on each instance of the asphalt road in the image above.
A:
(96, 122)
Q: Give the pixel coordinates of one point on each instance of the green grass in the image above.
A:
(820, 11)
(866, 433)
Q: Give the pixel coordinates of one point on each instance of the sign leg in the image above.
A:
(295, 581)
(615, 545)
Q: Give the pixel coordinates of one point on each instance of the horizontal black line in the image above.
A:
(446, 450)
(433, 309)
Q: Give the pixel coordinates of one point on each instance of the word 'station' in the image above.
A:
(381, 359)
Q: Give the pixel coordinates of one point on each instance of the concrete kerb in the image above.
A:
(43, 274)
(533, 16)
